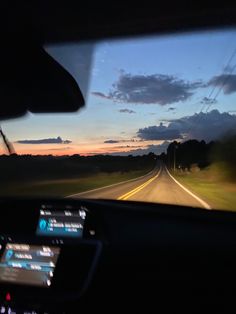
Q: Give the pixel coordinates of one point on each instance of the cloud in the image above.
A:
(57, 140)
(208, 101)
(160, 132)
(205, 126)
(127, 146)
(127, 111)
(156, 149)
(99, 94)
(150, 89)
(61, 148)
(111, 142)
(121, 141)
(226, 81)
(202, 126)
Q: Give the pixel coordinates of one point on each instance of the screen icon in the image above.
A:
(9, 254)
(42, 224)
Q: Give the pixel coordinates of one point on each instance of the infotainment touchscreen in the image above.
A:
(28, 264)
(65, 223)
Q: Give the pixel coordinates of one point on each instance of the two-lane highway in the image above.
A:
(158, 186)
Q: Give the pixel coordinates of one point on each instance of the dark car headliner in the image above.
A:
(56, 21)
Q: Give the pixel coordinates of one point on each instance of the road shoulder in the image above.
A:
(202, 202)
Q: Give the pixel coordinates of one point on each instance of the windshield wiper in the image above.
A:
(8, 144)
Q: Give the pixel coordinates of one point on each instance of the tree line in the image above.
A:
(193, 152)
(29, 167)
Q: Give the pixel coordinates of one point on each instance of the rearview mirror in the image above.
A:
(31, 80)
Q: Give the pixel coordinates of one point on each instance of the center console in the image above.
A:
(49, 262)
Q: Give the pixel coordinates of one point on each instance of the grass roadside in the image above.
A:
(65, 187)
(207, 184)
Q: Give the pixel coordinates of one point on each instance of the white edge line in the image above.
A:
(109, 186)
(203, 203)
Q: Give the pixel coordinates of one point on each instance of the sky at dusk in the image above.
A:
(141, 94)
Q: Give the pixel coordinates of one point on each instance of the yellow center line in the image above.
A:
(139, 188)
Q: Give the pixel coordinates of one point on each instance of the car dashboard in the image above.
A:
(65, 256)
(50, 249)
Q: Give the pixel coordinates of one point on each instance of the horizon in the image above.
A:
(117, 155)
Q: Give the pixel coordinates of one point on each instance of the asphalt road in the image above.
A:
(157, 186)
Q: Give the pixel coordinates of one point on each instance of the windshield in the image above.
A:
(159, 125)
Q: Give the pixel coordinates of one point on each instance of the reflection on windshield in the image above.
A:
(159, 125)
